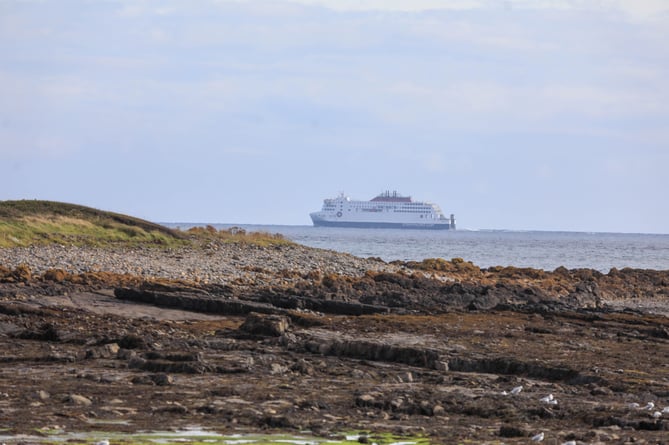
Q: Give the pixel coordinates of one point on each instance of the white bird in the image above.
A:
(102, 442)
(517, 390)
(569, 442)
(665, 410)
(504, 393)
(548, 399)
(633, 405)
(657, 415)
(649, 406)
(538, 438)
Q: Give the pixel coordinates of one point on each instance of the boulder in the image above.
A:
(586, 295)
(57, 275)
(110, 350)
(511, 431)
(265, 324)
(162, 379)
(78, 400)
(22, 273)
(45, 332)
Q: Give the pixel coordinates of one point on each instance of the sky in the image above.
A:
(511, 114)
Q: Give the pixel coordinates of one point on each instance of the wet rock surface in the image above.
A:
(295, 338)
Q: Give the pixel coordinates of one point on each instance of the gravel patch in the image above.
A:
(219, 264)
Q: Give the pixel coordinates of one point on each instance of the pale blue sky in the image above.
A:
(546, 115)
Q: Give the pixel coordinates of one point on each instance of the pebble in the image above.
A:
(438, 410)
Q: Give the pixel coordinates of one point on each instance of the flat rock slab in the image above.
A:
(104, 302)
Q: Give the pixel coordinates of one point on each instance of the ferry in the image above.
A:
(387, 210)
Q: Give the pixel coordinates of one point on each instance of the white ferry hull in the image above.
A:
(385, 211)
(318, 222)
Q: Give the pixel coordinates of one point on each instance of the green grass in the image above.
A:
(27, 223)
(212, 438)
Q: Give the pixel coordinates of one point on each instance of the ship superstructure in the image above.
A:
(387, 210)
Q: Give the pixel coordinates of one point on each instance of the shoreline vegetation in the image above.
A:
(110, 323)
(32, 222)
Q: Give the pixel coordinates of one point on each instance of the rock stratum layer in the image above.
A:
(243, 338)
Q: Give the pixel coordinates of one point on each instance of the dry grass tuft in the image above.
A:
(238, 235)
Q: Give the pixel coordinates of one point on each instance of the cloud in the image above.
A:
(642, 10)
(396, 5)
(306, 79)
(636, 9)
(522, 104)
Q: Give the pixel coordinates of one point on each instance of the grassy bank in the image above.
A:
(32, 222)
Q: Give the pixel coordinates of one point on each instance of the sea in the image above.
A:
(485, 248)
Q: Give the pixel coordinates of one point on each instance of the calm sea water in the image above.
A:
(541, 250)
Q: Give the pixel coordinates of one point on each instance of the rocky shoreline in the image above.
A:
(241, 338)
(215, 263)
